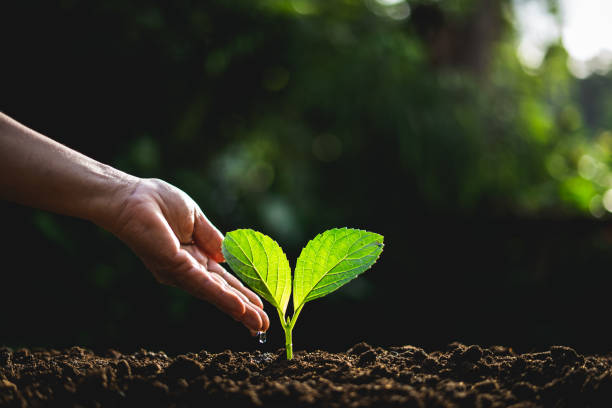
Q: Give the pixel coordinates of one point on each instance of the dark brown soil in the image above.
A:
(364, 376)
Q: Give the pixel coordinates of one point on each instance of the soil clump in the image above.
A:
(363, 376)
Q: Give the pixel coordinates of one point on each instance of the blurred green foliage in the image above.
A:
(282, 101)
(294, 116)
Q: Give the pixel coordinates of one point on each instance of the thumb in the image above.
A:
(207, 237)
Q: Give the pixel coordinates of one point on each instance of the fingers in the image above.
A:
(251, 308)
(221, 273)
(255, 319)
(231, 283)
(262, 315)
(207, 237)
(234, 282)
(197, 281)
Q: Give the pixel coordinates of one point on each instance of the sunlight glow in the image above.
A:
(537, 30)
(393, 9)
(587, 28)
(583, 26)
(389, 2)
(607, 200)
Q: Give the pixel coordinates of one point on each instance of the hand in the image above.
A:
(177, 243)
(165, 228)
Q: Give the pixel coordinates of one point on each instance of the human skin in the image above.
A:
(160, 223)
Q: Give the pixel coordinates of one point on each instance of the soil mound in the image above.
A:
(363, 376)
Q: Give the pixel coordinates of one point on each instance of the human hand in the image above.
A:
(163, 226)
(177, 243)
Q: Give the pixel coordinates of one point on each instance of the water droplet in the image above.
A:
(261, 337)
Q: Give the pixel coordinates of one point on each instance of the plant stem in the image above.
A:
(288, 328)
(288, 341)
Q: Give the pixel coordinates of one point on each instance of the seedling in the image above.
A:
(330, 260)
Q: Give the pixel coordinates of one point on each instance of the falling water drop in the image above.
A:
(261, 337)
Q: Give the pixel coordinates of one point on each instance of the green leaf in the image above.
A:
(332, 259)
(260, 263)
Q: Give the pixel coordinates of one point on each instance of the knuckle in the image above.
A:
(155, 183)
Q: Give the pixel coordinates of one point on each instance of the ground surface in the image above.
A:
(364, 376)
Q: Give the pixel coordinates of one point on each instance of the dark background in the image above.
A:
(416, 121)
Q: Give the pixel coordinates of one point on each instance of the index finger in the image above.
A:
(233, 281)
(190, 275)
(199, 282)
(207, 236)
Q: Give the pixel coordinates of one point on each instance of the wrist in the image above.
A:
(108, 205)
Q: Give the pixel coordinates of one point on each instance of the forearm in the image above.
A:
(39, 172)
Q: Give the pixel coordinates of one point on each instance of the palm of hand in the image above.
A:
(173, 238)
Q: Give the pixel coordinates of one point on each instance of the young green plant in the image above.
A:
(327, 262)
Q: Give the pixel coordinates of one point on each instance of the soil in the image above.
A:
(363, 376)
